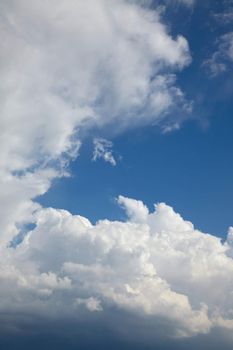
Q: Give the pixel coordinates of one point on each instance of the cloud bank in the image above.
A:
(154, 265)
(68, 68)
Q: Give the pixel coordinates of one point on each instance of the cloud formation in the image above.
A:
(222, 57)
(67, 67)
(103, 149)
(225, 17)
(153, 265)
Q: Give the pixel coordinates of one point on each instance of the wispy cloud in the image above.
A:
(103, 150)
(222, 58)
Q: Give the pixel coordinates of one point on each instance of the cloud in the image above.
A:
(136, 210)
(103, 149)
(222, 58)
(92, 304)
(153, 266)
(68, 67)
(188, 3)
(225, 17)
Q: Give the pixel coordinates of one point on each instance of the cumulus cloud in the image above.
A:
(103, 149)
(135, 210)
(154, 265)
(67, 67)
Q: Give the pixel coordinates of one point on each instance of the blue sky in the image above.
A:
(190, 169)
(116, 173)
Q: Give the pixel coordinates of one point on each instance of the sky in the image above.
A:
(116, 174)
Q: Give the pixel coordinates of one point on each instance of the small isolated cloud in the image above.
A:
(170, 128)
(92, 304)
(103, 150)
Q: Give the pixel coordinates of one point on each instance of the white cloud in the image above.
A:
(154, 265)
(67, 67)
(222, 57)
(136, 210)
(103, 149)
(92, 304)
